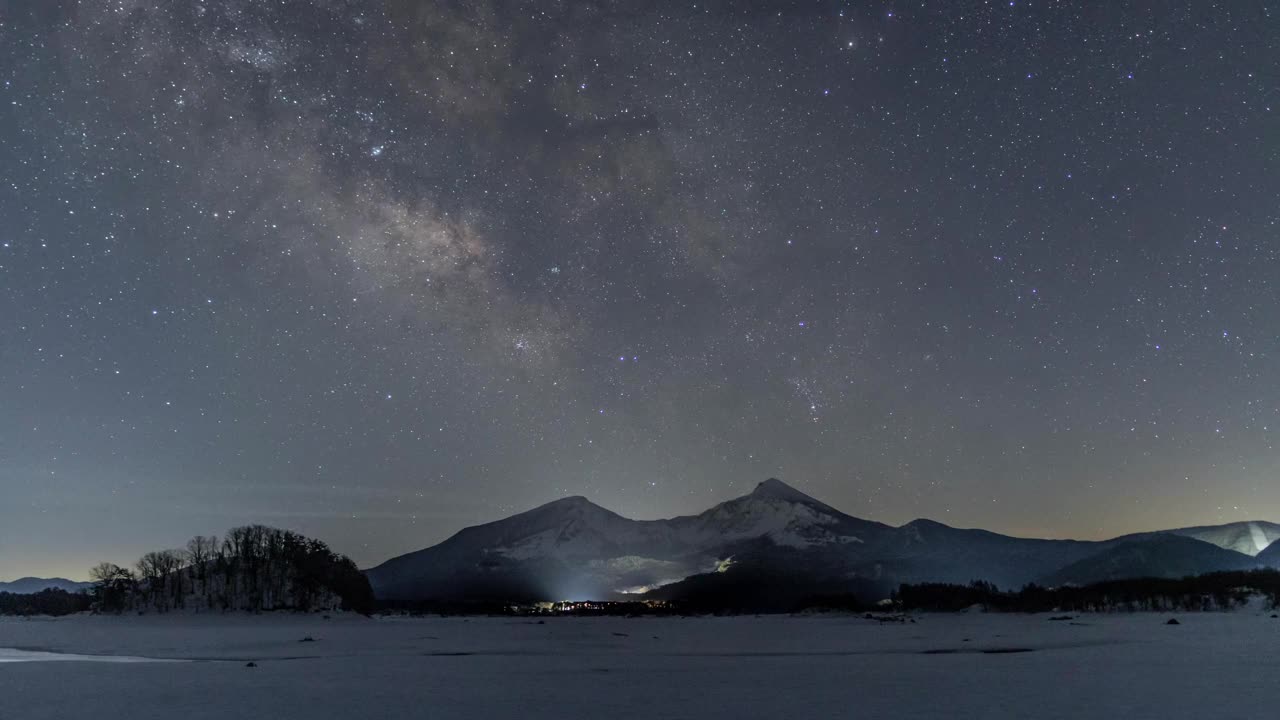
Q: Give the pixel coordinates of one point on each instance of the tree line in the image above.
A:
(52, 601)
(1214, 591)
(252, 568)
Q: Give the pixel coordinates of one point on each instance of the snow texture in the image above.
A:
(615, 554)
(944, 666)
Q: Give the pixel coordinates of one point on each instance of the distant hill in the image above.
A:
(31, 585)
(771, 548)
(1157, 556)
(1271, 556)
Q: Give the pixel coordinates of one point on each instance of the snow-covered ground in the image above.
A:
(1223, 665)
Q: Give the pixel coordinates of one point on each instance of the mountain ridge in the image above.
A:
(32, 585)
(1152, 555)
(574, 548)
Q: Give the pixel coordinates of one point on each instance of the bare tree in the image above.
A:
(254, 568)
(103, 572)
(160, 573)
(175, 575)
(151, 573)
(200, 555)
(114, 586)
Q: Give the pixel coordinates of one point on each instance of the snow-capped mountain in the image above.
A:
(774, 540)
(780, 513)
(30, 585)
(574, 547)
(1249, 538)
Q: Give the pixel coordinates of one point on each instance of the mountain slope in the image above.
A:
(573, 548)
(1270, 557)
(779, 544)
(1249, 538)
(522, 556)
(928, 551)
(1159, 555)
(779, 512)
(31, 585)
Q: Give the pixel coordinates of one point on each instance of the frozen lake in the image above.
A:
(943, 666)
(13, 655)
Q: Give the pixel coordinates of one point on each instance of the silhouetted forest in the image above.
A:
(253, 568)
(1215, 591)
(45, 602)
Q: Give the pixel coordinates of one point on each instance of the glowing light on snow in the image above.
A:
(1260, 541)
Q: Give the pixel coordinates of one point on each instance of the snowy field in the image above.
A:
(943, 666)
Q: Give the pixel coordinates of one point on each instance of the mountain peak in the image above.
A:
(778, 490)
(926, 523)
(572, 501)
(573, 504)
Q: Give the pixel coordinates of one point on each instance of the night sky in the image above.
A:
(376, 271)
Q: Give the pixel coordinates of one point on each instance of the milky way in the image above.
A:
(378, 271)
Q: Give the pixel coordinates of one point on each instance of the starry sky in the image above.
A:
(376, 271)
